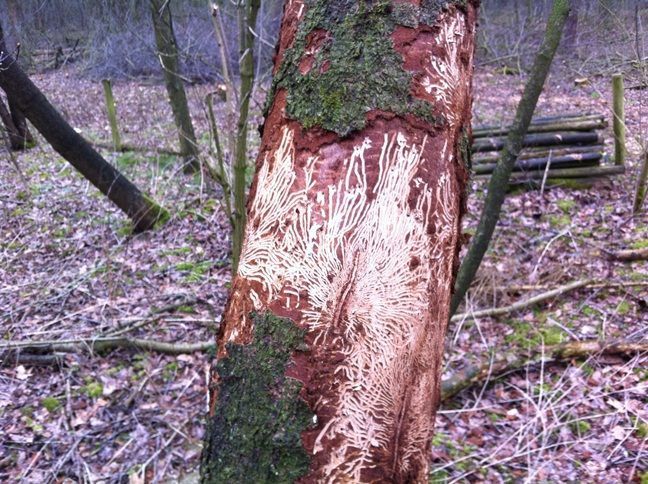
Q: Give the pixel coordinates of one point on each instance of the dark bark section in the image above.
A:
(15, 124)
(168, 52)
(254, 434)
(142, 210)
(514, 142)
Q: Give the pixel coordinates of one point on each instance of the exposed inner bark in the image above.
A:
(352, 234)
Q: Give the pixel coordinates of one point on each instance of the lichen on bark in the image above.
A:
(255, 430)
(355, 69)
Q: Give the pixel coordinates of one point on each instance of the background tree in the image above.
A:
(231, 172)
(168, 54)
(500, 178)
(142, 210)
(331, 344)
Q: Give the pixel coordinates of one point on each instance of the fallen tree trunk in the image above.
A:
(538, 152)
(566, 161)
(540, 139)
(573, 124)
(141, 209)
(522, 357)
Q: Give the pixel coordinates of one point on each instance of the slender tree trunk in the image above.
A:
(142, 210)
(642, 181)
(247, 20)
(514, 142)
(330, 350)
(168, 52)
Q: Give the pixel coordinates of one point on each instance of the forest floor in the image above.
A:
(69, 269)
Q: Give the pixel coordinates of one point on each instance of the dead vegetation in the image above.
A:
(71, 271)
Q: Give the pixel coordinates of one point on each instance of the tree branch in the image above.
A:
(501, 366)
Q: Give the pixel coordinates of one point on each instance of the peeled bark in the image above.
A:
(142, 210)
(330, 349)
(168, 53)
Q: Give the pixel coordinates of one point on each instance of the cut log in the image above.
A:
(587, 172)
(565, 117)
(539, 152)
(630, 255)
(574, 124)
(540, 139)
(567, 161)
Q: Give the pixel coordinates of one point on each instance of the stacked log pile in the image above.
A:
(555, 148)
(57, 57)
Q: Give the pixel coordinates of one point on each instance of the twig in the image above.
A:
(596, 285)
(525, 302)
(473, 375)
(105, 344)
(153, 317)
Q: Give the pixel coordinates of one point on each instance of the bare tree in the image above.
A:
(330, 348)
(142, 210)
(499, 180)
(168, 53)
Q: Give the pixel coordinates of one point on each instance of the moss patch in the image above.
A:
(356, 69)
(525, 335)
(255, 433)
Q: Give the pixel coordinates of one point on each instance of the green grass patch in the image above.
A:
(580, 427)
(566, 205)
(93, 389)
(526, 335)
(51, 404)
(623, 308)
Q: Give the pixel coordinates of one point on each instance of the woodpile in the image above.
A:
(57, 57)
(555, 148)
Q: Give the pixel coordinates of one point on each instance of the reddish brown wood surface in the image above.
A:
(355, 240)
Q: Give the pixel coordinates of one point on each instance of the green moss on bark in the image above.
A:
(356, 69)
(255, 433)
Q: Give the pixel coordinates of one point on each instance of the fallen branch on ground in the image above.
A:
(630, 255)
(502, 365)
(153, 317)
(525, 302)
(98, 345)
(596, 285)
(125, 147)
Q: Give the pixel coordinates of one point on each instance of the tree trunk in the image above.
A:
(329, 358)
(168, 52)
(516, 139)
(16, 128)
(142, 210)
